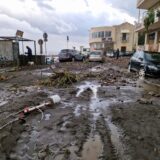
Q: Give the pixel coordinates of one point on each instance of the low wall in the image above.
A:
(38, 59)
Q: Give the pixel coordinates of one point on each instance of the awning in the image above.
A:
(16, 39)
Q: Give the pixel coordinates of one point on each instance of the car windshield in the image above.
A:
(95, 53)
(64, 50)
(153, 57)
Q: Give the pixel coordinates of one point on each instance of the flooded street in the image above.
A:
(110, 114)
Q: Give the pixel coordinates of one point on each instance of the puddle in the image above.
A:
(77, 110)
(66, 104)
(34, 135)
(63, 128)
(43, 72)
(65, 122)
(3, 103)
(97, 69)
(92, 149)
(47, 117)
(88, 85)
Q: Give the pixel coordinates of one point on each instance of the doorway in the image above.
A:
(123, 49)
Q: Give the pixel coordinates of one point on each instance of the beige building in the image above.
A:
(111, 38)
(152, 36)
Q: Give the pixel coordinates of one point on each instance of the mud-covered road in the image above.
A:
(109, 115)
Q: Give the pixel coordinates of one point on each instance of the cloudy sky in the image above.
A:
(60, 18)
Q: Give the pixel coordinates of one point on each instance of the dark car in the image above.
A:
(145, 63)
(126, 54)
(70, 55)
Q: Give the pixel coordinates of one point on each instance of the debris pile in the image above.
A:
(3, 77)
(60, 79)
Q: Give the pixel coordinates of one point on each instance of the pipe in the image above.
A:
(52, 100)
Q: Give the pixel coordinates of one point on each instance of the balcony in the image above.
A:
(146, 4)
(140, 25)
(107, 40)
(125, 40)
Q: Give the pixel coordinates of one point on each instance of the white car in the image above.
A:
(96, 56)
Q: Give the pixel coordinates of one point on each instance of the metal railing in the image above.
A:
(124, 40)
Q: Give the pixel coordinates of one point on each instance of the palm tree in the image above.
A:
(149, 19)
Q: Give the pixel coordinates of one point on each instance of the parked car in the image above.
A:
(126, 54)
(70, 55)
(85, 52)
(145, 63)
(110, 54)
(79, 57)
(48, 60)
(96, 56)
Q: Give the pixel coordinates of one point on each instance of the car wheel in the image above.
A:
(142, 73)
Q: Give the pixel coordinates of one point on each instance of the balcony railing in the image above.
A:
(140, 24)
(124, 40)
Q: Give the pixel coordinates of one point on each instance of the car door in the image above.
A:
(133, 61)
(140, 59)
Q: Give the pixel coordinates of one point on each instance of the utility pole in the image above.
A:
(45, 37)
(67, 41)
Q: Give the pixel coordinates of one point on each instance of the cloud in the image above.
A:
(128, 6)
(63, 17)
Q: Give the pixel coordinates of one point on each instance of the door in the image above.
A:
(138, 60)
(123, 49)
(15, 50)
(134, 61)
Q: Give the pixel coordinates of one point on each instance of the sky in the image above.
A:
(60, 18)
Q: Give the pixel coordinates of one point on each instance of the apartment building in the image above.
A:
(152, 33)
(109, 38)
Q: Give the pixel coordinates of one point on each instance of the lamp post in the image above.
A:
(45, 37)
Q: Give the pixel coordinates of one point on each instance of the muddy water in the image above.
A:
(92, 149)
(88, 85)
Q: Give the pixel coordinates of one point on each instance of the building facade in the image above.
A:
(109, 38)
(151, 33)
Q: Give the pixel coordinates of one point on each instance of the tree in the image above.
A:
(149, 19)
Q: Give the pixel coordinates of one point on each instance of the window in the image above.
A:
(124, 36)
(108, 33)
(151, 36)
(141, 38)
(102, 34)
(98, 34)
(140, 55)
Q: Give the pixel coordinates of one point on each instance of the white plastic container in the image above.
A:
(56, 99)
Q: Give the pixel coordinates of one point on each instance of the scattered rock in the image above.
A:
(140, 138)
(144, 101)
(117, 87)
(3, 77)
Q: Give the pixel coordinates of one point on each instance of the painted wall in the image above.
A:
(6, 50)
